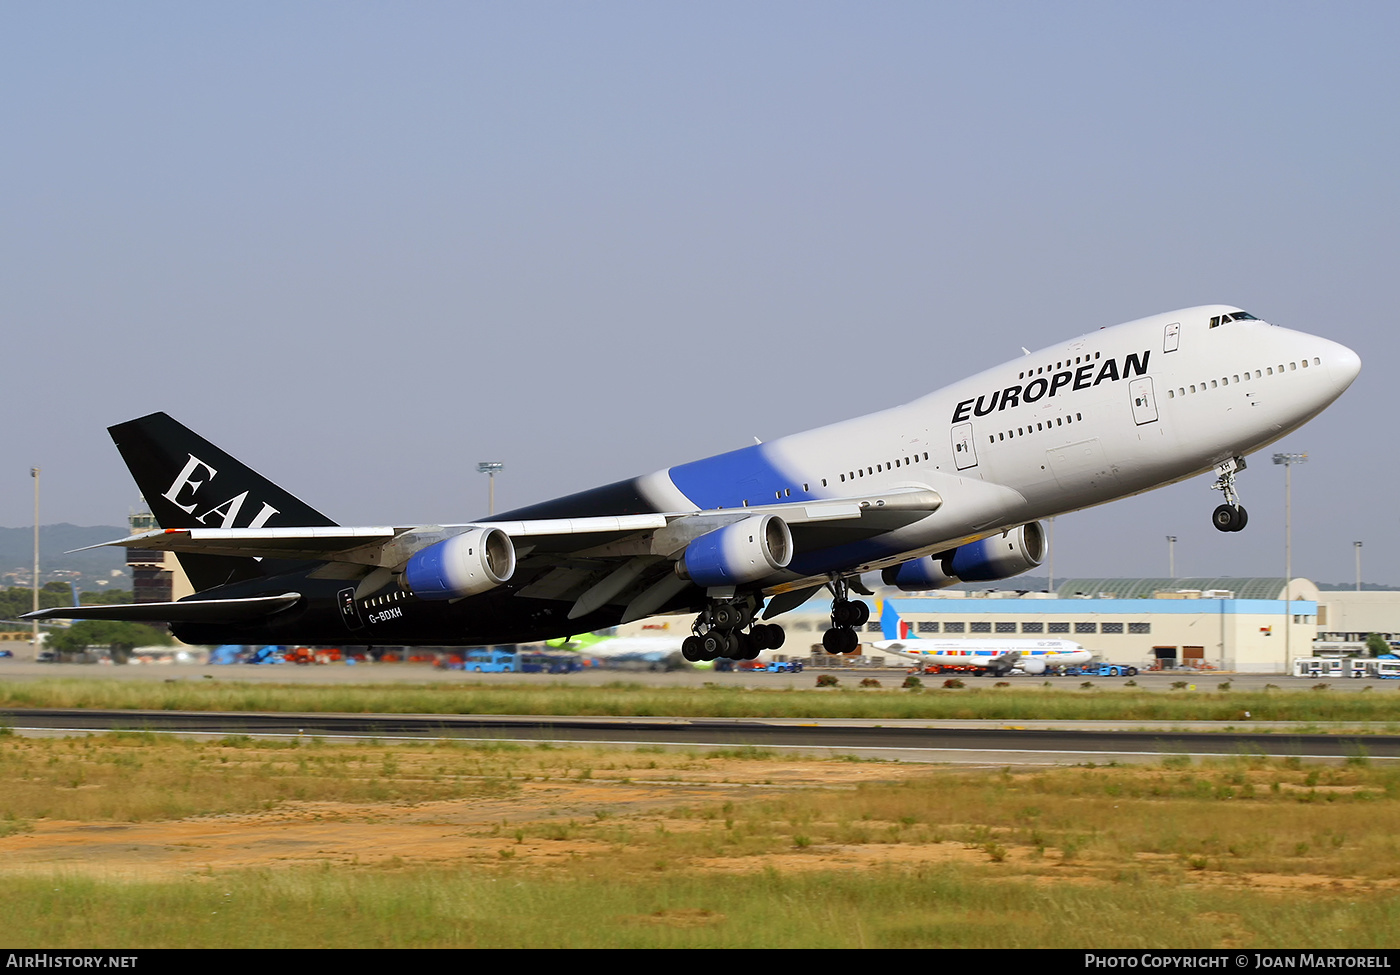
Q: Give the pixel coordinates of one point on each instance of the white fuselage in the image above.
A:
(981, 654)
(1109, 414)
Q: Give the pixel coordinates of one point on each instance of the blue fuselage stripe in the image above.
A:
(745, 475)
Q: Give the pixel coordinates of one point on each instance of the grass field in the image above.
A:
(132, 840)
(1058, 700)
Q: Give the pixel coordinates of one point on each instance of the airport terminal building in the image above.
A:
(1252, 625)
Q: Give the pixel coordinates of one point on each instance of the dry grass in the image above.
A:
(133, 840)
(1025, 702)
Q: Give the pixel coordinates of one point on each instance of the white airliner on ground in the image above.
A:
(949, 487)
(995, 657)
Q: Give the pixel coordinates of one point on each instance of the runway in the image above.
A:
(978, 742)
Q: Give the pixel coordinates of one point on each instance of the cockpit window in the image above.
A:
(1238, 316)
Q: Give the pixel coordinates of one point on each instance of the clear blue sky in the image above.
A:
(363, 246)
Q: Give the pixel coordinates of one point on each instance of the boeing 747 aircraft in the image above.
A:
(947, 488)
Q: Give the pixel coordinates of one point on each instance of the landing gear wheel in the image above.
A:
(751, 648)
(852, 641)
(831, 640)
(862, 612)
(1229, 518)
(713, 645)
(692, 649)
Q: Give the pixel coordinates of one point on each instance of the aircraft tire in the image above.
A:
(1229, 518)
(850, 640)
(712, 645)
(692, 649)
(831, 640)
(862, 612)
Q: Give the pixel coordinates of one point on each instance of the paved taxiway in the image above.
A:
(902, 739)
(979, 742)
(398, 673)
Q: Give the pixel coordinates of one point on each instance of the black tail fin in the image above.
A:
(190, 483)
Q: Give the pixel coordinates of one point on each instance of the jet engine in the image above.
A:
(1001, 556)
(462, 565)
(920, 575)
(1031, 665)
(745, 551)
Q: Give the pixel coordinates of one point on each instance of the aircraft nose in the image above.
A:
(1343, 365)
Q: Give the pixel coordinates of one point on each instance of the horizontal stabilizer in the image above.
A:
(184, 611)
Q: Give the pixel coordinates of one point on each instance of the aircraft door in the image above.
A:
(964, 453)
(1172, 340)
(1144, 403)
(349, 612)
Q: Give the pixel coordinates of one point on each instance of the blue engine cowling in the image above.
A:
(919, 575)
(745, 551)
(1001, 556)
(462, 565)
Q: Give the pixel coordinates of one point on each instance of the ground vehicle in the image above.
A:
(484, 661)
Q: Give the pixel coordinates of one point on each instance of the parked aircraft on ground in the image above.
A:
(946, 488)
(996, 657)
(632, 649)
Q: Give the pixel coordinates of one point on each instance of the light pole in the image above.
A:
(1358, 565)
(1288, 460)
(34, 636)
(1171, 556)
(491, 468)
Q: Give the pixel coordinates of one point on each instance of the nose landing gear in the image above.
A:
(1230, 516)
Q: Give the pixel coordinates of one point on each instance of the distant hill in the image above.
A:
(17, 553)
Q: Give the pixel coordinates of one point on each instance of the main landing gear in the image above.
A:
(718, 632)
(846, 615)
(1230, 516)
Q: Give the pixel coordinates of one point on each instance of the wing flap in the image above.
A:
(184, 611)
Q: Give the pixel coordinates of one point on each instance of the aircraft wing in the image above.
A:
(185, 611)
(663, 534)
(591, 562)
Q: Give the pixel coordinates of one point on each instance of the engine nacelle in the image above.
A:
(1000, 557)
(1031, 665)
(745, 551)
(919, 575)
(462, 565)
